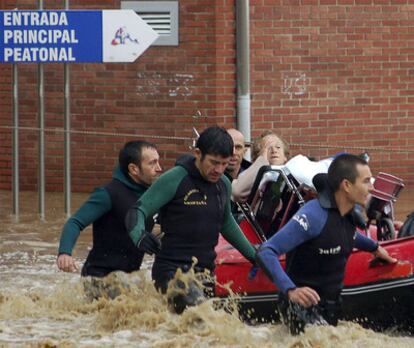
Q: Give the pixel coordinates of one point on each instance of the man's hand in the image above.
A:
(66, 263)
(150, 243)
(304, 296)
(383, 254)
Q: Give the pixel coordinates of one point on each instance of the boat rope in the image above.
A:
(359, 148)
(88, 132)
(191, 139)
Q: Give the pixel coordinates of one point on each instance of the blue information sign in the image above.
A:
(72, 36)
(51, 36)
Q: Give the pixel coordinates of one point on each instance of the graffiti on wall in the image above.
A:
(171, 84)
(295, 84)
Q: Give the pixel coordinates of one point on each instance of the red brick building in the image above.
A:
(328, 75)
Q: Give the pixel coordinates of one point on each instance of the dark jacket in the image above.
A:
(193, 212)
(106, 208)
(243, 166)
(192, 219)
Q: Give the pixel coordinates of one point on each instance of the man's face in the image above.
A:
(359, 191)
(238, 151)
(211, 167)
(150, 168)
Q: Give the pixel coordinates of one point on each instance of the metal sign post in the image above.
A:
(66, 135)
(15, 183)
(41, 149)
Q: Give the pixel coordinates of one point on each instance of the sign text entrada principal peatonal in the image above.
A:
(46, 33)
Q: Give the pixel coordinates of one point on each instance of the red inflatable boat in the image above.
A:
(375, 294)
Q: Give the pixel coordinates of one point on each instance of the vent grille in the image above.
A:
(159, 21)
(161, 16)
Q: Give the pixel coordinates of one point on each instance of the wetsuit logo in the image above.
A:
(195, 197)
(330, 251)
(302, 220)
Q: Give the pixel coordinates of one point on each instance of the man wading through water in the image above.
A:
(106, 208)
(317, 242)
(193, 200)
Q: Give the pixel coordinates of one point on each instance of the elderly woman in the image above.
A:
(268, 149)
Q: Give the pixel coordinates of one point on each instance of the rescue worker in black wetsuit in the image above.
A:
(193, 201)
(106, 208)
(317, 242)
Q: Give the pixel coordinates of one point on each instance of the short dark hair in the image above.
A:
(344, 167)
(215, 140)
(132, 153)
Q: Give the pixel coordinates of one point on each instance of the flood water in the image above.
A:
(43, 307)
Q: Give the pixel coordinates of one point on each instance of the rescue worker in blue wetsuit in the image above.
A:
(106, 208)
(317, 242)
(193, 201)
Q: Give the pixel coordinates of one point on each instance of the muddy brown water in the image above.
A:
(42, 307)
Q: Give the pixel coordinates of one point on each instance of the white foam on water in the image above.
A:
(42, 307)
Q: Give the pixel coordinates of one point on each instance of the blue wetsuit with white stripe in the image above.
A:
(317, 242)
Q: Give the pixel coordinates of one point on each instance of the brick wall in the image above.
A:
(155, 98)
(337, 73)
(327, 75)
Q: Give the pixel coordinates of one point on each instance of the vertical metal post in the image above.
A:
(67, 144)
(243, 69)
(15, 183)
(41, 172)
(67, 168)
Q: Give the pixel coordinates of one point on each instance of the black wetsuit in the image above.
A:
(318, 242)
(112, 249)
(193, 212)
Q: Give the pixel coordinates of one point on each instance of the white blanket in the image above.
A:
(303, 169)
